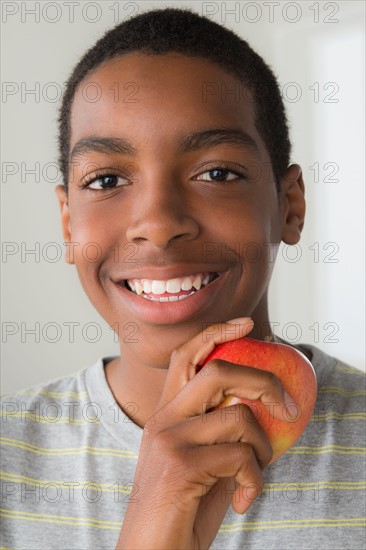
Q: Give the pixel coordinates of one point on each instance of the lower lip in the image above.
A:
(165, 313)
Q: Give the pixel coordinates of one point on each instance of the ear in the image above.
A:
(65, 219)
(293, 205)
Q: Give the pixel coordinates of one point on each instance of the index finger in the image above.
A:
(185, 359)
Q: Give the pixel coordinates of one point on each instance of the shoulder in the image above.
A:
(341, 389)
(335, 377)
(49, 408)
(54, 392)
(340, 406)
(329, 369)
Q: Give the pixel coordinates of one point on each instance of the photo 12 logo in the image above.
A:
(68, 12)
(271, 12)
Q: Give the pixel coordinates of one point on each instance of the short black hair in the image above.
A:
(161, 31)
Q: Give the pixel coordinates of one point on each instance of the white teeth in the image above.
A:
(184, 296)
(158, 287)
(147, 284)
(197, 282)
(167, 298)
(173, 286)
(187, 283)
(138, 288)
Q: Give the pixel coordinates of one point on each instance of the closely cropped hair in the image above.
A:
(182, 31)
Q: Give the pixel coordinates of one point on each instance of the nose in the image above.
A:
(161, 214)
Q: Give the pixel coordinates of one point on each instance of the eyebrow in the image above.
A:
(107, 145)
(218, 136)
(192, 142)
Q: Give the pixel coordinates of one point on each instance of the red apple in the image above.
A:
(297, 376)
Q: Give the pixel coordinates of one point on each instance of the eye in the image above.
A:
(105, 181)
(221, 174)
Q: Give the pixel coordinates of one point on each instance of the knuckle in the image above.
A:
(180, 358)
(247, 464)
(170, 460)
(243, 454)
(222, 369)
(212, 368)
(155, 424)
(164, 444)
(237, 416)
(270, 381)
(159, 420)
(245, 412)
(159, 447)
(162, 441)
(174, 459)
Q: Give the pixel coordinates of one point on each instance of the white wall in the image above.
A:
(304, 48)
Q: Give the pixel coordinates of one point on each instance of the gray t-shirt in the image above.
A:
(69, 455)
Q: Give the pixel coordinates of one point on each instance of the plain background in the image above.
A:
(49, 328)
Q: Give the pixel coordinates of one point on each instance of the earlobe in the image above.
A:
(65, 219)
(293, 204)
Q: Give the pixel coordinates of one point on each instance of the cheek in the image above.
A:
(248, 226)
(91, 234)
(251, 236)
(90, 246)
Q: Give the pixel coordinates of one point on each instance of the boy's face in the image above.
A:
(171, 213)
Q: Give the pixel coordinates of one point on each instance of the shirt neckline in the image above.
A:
(113, 418)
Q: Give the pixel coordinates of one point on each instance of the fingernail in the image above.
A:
(291, 407)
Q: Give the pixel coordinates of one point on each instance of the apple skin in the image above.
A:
(296, 375)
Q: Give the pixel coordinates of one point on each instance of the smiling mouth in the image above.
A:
(171, 290)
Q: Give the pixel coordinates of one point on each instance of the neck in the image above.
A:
(137, 384)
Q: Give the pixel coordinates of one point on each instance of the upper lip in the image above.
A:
(171, 272)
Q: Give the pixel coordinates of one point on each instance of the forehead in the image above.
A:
(154, 99)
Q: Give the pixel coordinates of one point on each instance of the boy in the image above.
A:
(172, 184)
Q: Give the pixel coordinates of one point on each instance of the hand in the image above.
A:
(193, 463)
